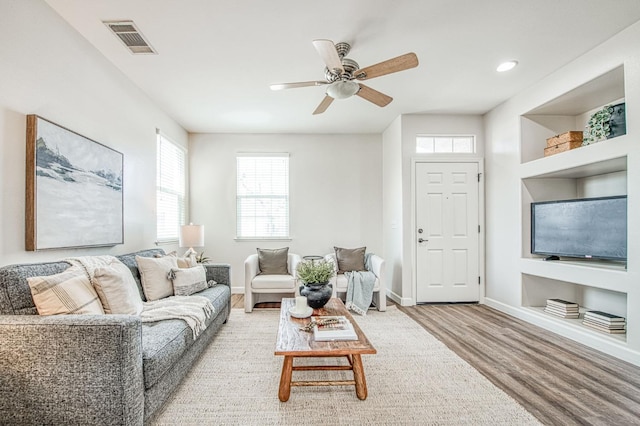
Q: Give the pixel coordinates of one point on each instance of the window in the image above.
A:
(445, 144)
(170, 189)
(262, 196)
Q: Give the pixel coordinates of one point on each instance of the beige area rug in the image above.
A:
(413, 380)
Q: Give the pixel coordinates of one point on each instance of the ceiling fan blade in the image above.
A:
(400, 63)
(323, 105)
(327, 51)
(374, 96)
(281, 86)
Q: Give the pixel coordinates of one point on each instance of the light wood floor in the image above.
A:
(559, 381)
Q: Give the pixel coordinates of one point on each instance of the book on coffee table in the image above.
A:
(328, 328)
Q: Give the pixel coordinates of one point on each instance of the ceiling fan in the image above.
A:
(341, 74)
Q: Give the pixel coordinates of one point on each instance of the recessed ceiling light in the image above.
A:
(506, 66)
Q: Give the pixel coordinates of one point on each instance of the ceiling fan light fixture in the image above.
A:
(343, 89)
(506, 66)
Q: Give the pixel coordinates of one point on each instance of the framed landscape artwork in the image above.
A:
(74, 189)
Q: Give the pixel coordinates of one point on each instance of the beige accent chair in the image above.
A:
(268, 288)
(340, 282)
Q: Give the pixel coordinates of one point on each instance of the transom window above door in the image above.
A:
(445, 144)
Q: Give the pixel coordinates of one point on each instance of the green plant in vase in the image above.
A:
(598, 128)
(315, 272)
(315, 276)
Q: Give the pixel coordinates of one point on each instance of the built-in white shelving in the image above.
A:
(602, 169)
(576, 326)
(607, 276)
(605, 157)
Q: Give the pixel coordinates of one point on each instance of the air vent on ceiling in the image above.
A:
(129, 34)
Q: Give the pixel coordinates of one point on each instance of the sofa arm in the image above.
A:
(251, 269)
(71, 369)
(377, 265)
(378, 268)
(292, 264)
(219, 272)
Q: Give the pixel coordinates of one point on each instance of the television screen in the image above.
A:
(586, 228)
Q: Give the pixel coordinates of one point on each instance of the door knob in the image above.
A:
(420, 240)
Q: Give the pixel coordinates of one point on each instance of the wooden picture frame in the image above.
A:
(74, 191)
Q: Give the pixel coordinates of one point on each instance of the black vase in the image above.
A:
(317, 294)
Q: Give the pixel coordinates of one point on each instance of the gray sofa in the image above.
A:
(93, 369)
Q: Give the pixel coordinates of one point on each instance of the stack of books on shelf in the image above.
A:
(562, 308)
(605, 322)
(328, 328)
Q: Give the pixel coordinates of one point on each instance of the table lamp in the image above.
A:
(191, 236)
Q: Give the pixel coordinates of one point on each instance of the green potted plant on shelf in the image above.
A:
(606, 123)
(597, 128)
(315, 276)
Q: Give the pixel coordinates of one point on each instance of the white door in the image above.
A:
(447, 232)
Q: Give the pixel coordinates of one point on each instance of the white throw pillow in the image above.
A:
(68, 292)
(117, 289)
(183, 262)
(186, 262)
(190, 280)
(153, 273)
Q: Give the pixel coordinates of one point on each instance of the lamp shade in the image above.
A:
(192, 235)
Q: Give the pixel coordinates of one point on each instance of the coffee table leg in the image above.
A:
(285, 379)
(358, 377)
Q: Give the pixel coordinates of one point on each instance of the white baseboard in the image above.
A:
(402, 301)
(603, 344)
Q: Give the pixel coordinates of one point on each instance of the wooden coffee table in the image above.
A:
(295, 343)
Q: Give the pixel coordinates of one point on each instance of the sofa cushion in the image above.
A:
(155, 276)
(187, 281)
(273, 281)
(350, 259)
(68, 292)
(117, 289)
(273, 261)
(130, 261)
(165, 342)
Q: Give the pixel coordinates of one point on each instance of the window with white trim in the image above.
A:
(445, 144)
(170, 189)
(262, 196)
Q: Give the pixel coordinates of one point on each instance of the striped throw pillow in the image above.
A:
(68, 292)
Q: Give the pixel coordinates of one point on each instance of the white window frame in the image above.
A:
(170, 189)
(267, 194)
(444, 136)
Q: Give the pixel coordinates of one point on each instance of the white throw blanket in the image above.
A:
(194, 310)
(360, 288)
(91, 263)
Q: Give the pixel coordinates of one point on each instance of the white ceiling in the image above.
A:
(217, 58)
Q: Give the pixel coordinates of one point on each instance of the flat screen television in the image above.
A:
(591, 228)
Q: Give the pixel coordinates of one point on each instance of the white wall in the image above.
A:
(335, 193)
(392, 206)
(48, 69)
